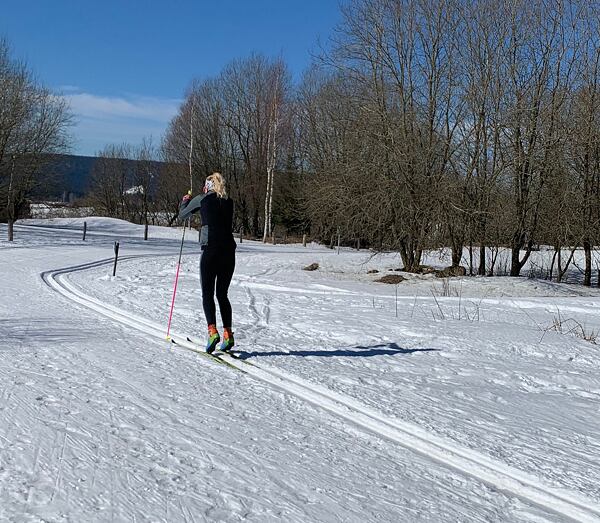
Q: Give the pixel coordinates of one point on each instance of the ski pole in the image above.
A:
(175, 286)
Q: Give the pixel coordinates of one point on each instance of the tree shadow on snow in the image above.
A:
(359, 351)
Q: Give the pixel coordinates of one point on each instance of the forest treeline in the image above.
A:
(423, 124)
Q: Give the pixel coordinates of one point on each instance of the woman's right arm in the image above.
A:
(188, 207)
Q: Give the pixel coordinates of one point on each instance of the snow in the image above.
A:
(58, 210)
(137, 189)
(464, 405)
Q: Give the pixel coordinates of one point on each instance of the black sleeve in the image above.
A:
(187, 209)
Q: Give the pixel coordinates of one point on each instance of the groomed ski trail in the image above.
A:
(496, 474)
(53, 279)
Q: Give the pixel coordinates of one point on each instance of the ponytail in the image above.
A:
(218, 184)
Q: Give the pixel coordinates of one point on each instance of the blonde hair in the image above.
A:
(219, 184)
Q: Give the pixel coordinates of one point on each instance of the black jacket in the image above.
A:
(217, 220)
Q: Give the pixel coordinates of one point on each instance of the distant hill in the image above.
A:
(66, 177)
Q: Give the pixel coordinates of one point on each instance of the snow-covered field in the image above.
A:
(457, 400)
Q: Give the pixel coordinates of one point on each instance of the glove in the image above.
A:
(186, 198)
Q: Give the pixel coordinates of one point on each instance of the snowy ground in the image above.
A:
(454, 401)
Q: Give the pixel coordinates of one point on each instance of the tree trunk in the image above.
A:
(516, 264)
(404, 254)
(10, 204)
(495, 253)
(563, 270)
(481, 268)
(587, 273)
(255, 223)
(418, 257)
(145, 215)
(457, 248)
(268, 203)
(556, 250)
(470, 258)
(410, 257)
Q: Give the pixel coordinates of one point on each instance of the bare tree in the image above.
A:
(238, 124)
(400, 58)
(145, 177)
(171, 184)
(540, 67)
(111, 177)
(275, 93)
(429, 123)
(585, 137)
(484, 29)
(33, 125)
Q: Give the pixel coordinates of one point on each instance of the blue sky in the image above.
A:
(125, 64)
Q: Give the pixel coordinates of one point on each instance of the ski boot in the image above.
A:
(213, 338)
(228, 341)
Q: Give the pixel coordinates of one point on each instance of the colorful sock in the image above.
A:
(228, 341)
(213, 338)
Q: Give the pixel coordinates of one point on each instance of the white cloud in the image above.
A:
(149, 108)
(102, 120)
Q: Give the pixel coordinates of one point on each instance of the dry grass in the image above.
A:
(573, 327)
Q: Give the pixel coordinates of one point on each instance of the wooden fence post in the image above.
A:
(116, 258)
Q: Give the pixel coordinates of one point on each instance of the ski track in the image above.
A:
(467, 462)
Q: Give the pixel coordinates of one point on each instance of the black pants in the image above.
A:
(216, 267)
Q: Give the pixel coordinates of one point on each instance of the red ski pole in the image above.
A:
(175, 286)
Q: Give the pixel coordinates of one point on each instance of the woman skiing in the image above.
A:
(217, 261)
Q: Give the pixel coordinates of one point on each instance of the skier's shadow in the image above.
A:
(359, 351)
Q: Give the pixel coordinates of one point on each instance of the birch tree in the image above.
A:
(275, 100)
(239, 129)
